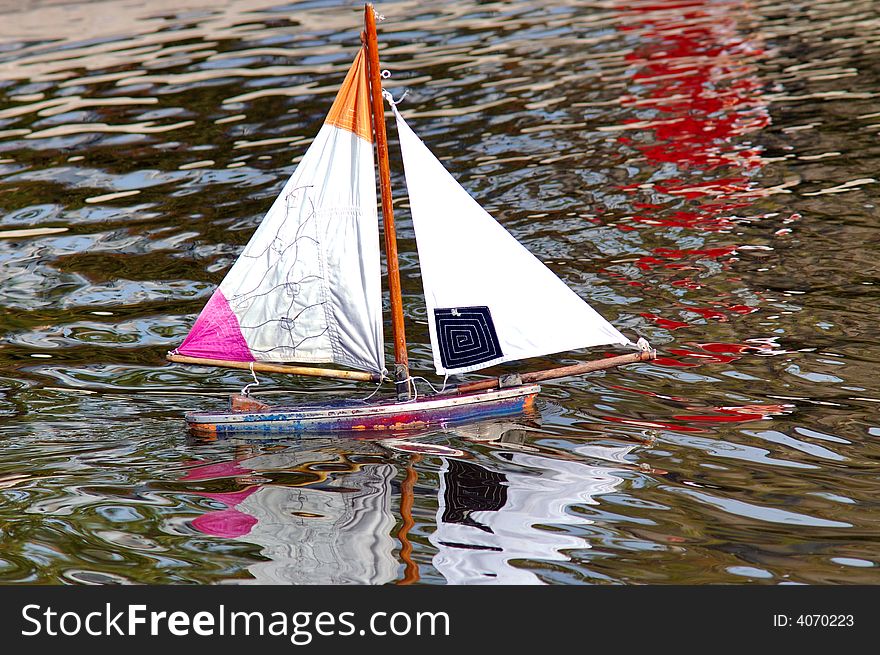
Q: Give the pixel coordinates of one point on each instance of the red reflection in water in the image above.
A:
(711, 353)
(739, 414)
(694, 93)
(695, 74)
(656, 425)
(664, 322)
(645, 392)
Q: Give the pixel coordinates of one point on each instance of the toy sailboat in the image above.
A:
(307, 287)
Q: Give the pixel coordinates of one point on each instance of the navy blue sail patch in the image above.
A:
(466, 336)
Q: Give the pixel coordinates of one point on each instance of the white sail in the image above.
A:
(489, 299)
(307, 286)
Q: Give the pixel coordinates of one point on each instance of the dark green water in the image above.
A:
(700, 172)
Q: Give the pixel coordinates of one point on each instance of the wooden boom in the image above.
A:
(266, 367)
(554, 373)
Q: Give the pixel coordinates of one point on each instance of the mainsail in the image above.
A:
(307, 286)
(489, 299)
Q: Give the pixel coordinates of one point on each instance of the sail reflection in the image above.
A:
(330, 523)
(353, 511)
(489, 517)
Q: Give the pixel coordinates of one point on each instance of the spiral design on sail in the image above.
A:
(466, 336)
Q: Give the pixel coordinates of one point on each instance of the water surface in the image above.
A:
(700, 172)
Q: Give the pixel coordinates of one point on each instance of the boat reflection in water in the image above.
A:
(329, 522)
(329, 511)
(489, 516)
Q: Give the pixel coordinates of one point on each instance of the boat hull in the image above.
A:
(362, 417)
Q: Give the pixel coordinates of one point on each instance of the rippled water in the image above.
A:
(701, 172)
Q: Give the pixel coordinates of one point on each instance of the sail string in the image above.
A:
(246, 389)
(375, 391)
(387, 94)
(642, 344)
(411, 380)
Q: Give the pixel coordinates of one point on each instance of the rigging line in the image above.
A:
(375, 391)
(390, 98)
(426, 381)
(255, 383)
(642, 345)
(411, 380)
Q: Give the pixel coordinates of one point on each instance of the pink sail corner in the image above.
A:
(216, 334)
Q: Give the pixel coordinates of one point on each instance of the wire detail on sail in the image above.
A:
(307, 286)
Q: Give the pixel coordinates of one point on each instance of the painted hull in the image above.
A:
(364, 417)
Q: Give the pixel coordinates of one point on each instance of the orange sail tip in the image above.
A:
(351, 109)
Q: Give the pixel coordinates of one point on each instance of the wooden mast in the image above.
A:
(401, 359)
